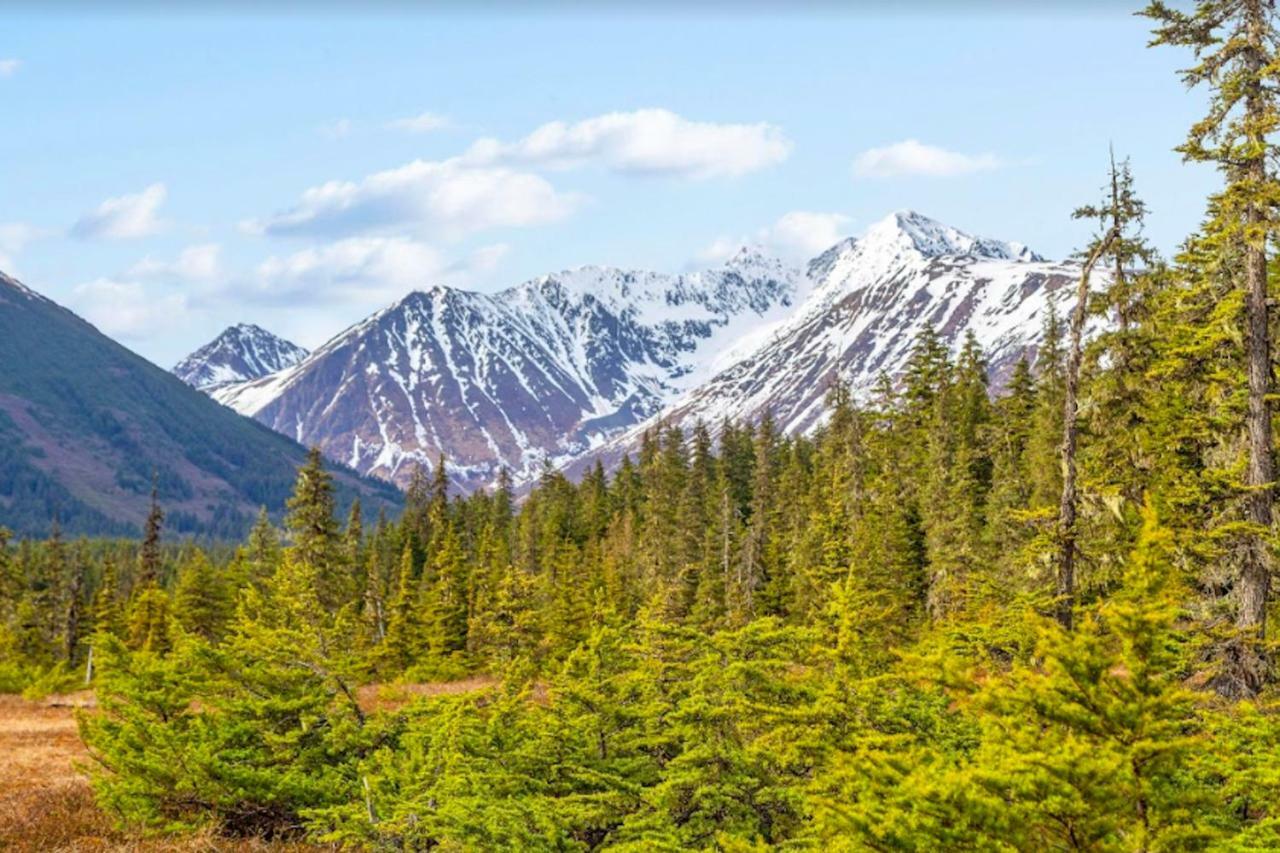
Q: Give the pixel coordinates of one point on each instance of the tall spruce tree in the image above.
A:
(1234, 43)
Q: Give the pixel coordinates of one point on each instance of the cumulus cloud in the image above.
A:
(124, 309)
(9, 67)
(421, 123)
(193, 264)
(447, 199)
(913, 158)
(123, 217)
(643, 142)
(796, 236)
(805, 233)
(362, 269)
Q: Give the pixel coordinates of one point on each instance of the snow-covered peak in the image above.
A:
(909, 231)
(242, 352)
(749, 280)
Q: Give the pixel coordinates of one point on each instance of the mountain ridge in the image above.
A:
(567, 365)
(87, 427)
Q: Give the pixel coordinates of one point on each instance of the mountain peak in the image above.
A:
(241, 352)
(751, 261)
(912, 231)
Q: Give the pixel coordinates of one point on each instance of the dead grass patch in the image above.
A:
(46, 803)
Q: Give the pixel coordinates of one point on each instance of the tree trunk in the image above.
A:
(1249, 660)
(1066, 581)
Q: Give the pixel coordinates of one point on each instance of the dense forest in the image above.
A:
(951, 619)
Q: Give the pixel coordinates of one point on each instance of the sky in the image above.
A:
(168, 174)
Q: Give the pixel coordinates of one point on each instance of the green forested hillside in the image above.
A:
(86, 425)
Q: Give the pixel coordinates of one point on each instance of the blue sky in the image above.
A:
(166, 175)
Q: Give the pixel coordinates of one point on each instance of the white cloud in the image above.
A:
(797, 236)
(911, 158)
(193, 264)
(362, 269)
(123, 217)
(643, 142)
(421, 123)
(485, 259)
(447, 199)
(14, 237)
(336, 129)
(9, 67)
(124, 309)
(805, 234)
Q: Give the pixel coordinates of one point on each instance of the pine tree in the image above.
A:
(405, 640)
(149, 617)
(262, 548)
(1235, 49)
(202, 603)
(1068, 507)
(149, 556)
(75, 624)
(107, 608)
(316, 546)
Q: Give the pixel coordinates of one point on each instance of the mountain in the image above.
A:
(241, 353)
(543, 371)
(868, 299)
(85, 426)
(573, 366)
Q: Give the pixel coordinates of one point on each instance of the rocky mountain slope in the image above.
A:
(571, 366)
(545, 370)
(241, 353)
(868, 300)
(85, 425)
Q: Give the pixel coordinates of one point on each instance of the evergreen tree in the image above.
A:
(149, 556)
(316, 542)
(1234, 44)
(201, 602)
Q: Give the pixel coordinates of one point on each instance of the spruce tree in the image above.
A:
(1068, 504)
(1234, 44)
(202, 603)
(316, 546)
(149, 556)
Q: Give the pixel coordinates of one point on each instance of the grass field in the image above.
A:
(45, 800)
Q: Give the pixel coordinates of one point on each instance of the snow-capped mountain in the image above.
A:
(573, 366)
(241, 353)
(543, 371)
(868, 299)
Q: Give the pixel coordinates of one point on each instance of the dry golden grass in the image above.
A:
(45, 802)
(389, 697)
